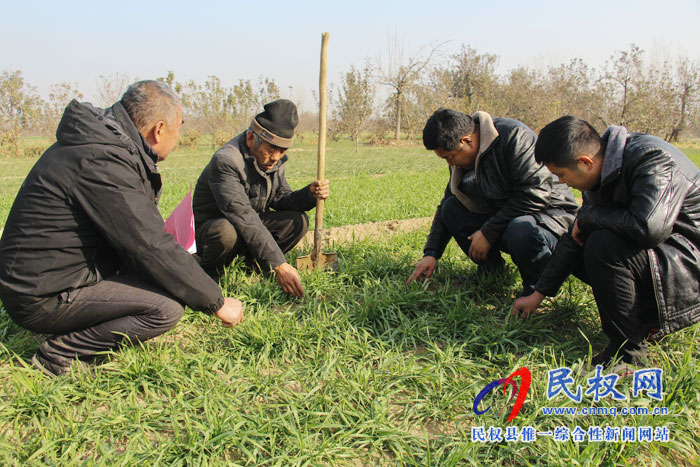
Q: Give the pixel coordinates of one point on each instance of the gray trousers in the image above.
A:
(122, 309)
(218, 241)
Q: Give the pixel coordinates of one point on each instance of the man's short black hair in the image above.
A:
(562, 141)
(445, 128)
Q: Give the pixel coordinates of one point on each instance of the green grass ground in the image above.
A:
(401, 182)
(364, 370)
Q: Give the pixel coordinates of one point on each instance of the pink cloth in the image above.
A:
(181, 224)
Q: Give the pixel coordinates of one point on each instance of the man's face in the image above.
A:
(169, 136)
(464, 156)
(583, 176)
(266, 154)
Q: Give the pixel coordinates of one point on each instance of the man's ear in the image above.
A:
(587, 161)
(467, 139)
(158, 130)
(250, 138)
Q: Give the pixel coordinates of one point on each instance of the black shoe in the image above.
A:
(48, 368)
(604, 358)
(52, 369)
(609, 358)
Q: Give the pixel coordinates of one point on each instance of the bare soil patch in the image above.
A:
(359, 232)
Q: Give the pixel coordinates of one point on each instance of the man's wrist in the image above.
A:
(213, 309)
(539, 296)
(430, 252)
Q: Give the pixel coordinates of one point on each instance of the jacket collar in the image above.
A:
(487, 136)
(149, 156)
(487, 133)
(614, 139)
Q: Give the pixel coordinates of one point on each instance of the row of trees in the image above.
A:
(658, 98)
(209, 108)
(396, 95)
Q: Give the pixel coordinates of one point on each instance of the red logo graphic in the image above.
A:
(525, 378)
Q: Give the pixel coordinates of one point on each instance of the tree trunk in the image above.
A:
(397, 130)
(676, 131)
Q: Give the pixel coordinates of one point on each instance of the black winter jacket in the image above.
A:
(233, 186)
(88, 208)
(507, 183)
(650, 196)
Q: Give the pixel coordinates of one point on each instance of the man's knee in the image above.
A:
(219, 234)
(602, 247)
(301, 224)
(451, 211)
(524, 238)
(163, 316)
(287, 227)
(171, 313)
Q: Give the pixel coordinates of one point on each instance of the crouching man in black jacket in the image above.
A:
(636, 240)
(84, 255)
(498, 198)
(243, 205)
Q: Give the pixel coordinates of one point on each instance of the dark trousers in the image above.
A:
(218, 242)
(530, 245)
(620, 276)
(121, 309)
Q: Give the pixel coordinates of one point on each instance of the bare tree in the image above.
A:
(401, 73)
(471, 80)
(523, 96)
(624, 72)
(20, 109)
(355, 101)
(687, 87)
(169, 79)
(571, 89)
(111, 87)
(221, 111)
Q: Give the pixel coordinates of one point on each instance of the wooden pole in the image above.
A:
(321, 167)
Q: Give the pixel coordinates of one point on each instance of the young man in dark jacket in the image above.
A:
(84, 255)
(243, 204)
(498, 198)
(636, 240)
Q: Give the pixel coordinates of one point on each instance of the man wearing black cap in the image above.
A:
(243, 204)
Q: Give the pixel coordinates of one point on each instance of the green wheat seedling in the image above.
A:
(363, 370)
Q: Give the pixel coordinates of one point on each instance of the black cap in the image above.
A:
(276, 124)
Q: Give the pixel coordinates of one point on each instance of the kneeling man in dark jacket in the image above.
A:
(84, 255)
(636, 240)
(498, 198)
(243, 204)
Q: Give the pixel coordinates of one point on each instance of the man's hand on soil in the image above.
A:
(424, 269)
(231, 313)
(525, 306)
(289, 279)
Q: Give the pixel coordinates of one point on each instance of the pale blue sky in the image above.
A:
(75, 41)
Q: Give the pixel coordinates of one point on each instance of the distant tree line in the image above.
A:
(661, 98)
(657, 98)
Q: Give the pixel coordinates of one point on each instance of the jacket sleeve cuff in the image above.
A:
(431, 252)
(305, 199)
(547, 291)
(490, 234)
(215, 307)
